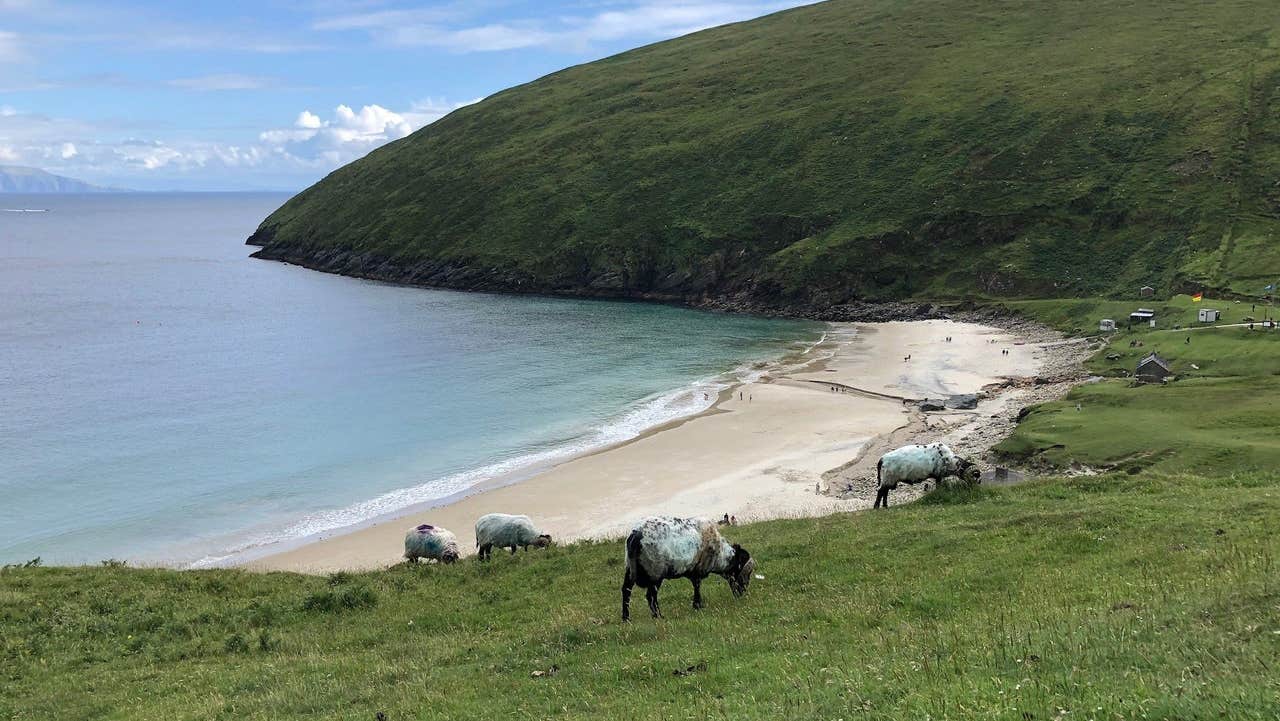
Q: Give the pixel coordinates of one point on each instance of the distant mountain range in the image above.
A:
(18, 179)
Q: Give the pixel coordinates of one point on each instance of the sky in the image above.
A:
(274, 94)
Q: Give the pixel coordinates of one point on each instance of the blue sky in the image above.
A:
(273, 94)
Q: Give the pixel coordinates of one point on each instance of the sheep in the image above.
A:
(503, 530)
(913, 464)
(427, 541)
(663, 547)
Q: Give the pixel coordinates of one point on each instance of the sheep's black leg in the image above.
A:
(627, 583)
(513, 550)
(651, 595)
(485, 550)
(697, 593)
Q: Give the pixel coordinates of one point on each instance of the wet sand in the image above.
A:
(756, 456)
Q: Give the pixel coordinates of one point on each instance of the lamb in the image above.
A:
(913, 464)
(430, 542)
(663, 547)
(503, 530)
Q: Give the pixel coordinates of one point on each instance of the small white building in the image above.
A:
(1143, 315)
(1106, 325)
(1209, 315)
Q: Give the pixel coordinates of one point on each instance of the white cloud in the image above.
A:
(307, 119)
(229, 81)
(646, 20)
(311, 146)
(349, 134)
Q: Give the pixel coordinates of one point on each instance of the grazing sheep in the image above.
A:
(913, 464)
(502, 530)
(663, 547)
(430, 542)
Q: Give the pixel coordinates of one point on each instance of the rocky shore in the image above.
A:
(974, 432)
(745, 300)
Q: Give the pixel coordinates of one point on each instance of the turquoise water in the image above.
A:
(168, 399)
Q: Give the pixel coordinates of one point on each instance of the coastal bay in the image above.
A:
(759, 452)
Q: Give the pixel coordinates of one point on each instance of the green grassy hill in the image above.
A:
(854, 149)
(1116, 597)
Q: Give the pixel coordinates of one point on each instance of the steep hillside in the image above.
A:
(855, 149)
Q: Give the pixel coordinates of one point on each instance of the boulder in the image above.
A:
(963, 401)
(931, 404)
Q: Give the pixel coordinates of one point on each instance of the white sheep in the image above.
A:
(913, 464)
(663, 547)
(503, 530)
(430, 542)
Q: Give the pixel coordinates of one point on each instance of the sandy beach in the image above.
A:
(788, 445)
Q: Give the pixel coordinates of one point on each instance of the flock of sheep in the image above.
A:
(664, 547)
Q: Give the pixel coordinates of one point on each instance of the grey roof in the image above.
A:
(1153, 358)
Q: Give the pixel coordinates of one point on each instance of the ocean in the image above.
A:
(165, 399)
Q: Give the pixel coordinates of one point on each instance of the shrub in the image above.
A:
(345, 599)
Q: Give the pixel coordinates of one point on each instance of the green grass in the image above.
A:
(1117, 597)
(850, 149)
(1219, 416)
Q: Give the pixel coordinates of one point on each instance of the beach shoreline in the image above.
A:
(786, 445)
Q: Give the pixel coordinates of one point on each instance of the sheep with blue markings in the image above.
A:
(431, 543)
(663, 547)
(504, 530)
(915, 464)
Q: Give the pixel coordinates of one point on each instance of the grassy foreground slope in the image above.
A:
(850, 149)
(1113, 597)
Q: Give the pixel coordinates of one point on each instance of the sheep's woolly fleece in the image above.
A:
(503, 530)
(917, 463)
(674, 547)
(427, 541)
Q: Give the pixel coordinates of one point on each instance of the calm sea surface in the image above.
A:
(164, 398)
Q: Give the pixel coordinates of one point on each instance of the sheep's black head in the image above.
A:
(542, 541)
(969, 471)
(449, 556)
(738, 574)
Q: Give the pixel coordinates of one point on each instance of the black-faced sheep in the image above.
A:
(430, 542)
(503, 530)
(914, 464)
(663, 547)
